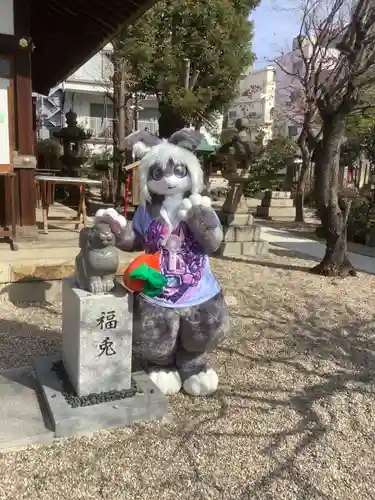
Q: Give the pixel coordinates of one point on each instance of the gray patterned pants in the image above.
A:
(179, 337)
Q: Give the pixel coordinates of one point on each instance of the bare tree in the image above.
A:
(337, 50)
(297, 106)
(255, 104)
(119, 84)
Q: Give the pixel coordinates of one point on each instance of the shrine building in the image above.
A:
(41, 43)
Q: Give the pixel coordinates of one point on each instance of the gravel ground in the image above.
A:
(294, 417)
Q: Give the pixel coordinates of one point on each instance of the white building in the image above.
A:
(255, 102)
(290, 68)
(87, 92)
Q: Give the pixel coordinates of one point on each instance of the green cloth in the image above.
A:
(154, 281)
(205, 147)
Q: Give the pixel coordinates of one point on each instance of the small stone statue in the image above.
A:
(98, 260)
(239, 151)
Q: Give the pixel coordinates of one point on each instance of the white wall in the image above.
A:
(255, 102)
(6, 17)
(80, 102)
(289, 89)
(97, 70)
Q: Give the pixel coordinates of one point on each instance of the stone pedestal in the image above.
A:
(235, 201)
(277, 205)
(97, 339)
(91, 386)
(241, 237)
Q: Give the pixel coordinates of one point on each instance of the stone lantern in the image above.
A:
(72, 137)
(241, 236)
(236, 157)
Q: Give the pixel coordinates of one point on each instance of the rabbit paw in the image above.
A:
(193, 204)
(116, 222)
(202, 384)
(167, 381)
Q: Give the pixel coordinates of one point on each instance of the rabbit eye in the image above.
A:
(156, 173)
(180, 171)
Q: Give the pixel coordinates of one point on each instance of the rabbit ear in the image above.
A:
(186, 138)
(140, 149)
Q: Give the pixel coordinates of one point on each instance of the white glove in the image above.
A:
(188, 204)
(116, 222)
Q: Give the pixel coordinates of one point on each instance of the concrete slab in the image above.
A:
(148, 404)
(21, 418)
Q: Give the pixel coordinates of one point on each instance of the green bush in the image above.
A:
(358, 222)
(279, 153)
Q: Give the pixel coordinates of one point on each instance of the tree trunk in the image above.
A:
(306, 153)
(300, 195)
(333, 209)
(122, 126)
(169, 121)
(335, 261)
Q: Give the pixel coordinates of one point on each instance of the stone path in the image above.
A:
(314, 249)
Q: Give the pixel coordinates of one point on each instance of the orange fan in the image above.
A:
(143, 275)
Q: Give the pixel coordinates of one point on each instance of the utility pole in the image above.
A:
(136, 108)
(136, 112)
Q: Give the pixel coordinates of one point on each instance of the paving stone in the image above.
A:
(68, 421)
(23, 418)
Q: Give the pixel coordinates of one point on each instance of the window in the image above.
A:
(5, 70)
(232, 115)
(149, 114)
(292, 131)
(101, 110)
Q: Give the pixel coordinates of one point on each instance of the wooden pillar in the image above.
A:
(24, 129)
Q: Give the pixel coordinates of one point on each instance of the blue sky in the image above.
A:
(275, 26)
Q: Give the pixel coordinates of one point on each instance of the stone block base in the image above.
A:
(249, 249)
(283, 203)
(97, 338)
(66, 421)
(228, 219)
(277, 195)
(252, 202)
(276, 213)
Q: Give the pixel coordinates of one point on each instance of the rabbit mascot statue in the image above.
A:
(176, 328)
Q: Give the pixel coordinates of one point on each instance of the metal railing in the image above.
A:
(151, 125)
(102, 128)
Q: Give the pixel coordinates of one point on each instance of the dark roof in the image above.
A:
(66, 33)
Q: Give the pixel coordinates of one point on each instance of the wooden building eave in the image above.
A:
(67, 33)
